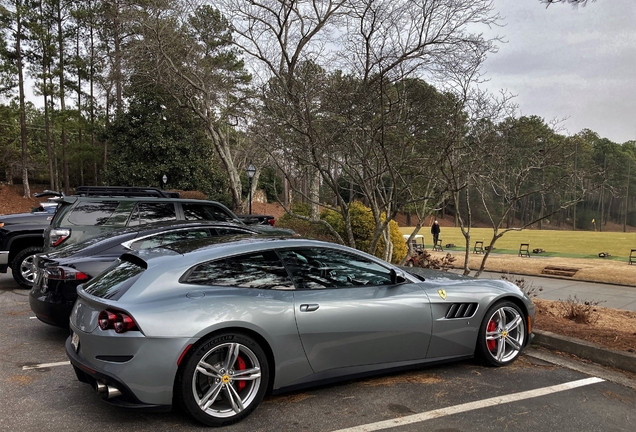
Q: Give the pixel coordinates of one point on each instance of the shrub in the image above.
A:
(362, 226)
(425, 260)
(526, 286)
(579, 311)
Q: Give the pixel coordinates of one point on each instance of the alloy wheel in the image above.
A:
(505, 334)
(226, 380)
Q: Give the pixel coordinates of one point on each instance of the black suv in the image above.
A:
(95, 210)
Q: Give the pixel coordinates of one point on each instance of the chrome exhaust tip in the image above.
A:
(113, 392)
(101, 387)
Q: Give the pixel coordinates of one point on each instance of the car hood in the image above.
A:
(27, 218)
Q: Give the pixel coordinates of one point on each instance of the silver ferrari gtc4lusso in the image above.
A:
(214, 324)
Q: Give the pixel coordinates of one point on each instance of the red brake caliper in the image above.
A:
(241, 366)
(491, 344)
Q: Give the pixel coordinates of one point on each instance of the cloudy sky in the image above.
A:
(578, 64)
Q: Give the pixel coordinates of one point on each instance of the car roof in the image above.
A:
(123, 234)
(71, 199)
(199, 250)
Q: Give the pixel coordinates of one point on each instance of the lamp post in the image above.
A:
(165, 180)
(250, 174)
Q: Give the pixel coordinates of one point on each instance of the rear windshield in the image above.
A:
(115, 281)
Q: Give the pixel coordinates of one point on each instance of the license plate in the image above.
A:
(75, 341)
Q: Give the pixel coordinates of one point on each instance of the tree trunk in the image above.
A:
(23, 126)
(314, 194)
(61, 65)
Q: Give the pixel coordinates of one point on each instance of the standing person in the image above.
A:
(435, 231)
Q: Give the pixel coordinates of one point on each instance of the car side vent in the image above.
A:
(461, 310)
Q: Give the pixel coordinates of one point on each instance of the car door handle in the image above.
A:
(309, 307)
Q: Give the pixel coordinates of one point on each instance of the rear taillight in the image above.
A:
(65, 273)
(57, 236)
(118, 321)
(106, 320)
(272, 221)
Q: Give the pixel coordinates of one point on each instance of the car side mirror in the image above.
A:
(397, 277)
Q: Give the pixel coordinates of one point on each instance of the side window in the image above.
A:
(205, 212)
(167, 238)
(152, 212)
(329, 268)
(261, 270)
(92, 213)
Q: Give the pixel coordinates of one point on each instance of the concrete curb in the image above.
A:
(605, 356)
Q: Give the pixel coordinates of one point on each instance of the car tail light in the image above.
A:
(65, 273)
(118, 321)
(272, 221)
(106, 320)
(57, 236)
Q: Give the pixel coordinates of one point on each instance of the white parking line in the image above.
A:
(46, 365)
(33, 317)
(470, 406)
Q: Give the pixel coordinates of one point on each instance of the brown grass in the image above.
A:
(595, 270)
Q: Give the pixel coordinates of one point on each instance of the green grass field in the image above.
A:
(573, 244)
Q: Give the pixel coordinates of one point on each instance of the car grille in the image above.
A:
(461, 310)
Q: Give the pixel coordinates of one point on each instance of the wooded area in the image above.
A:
(332, 101)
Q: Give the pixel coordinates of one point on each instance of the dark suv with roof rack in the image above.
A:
(94, 210)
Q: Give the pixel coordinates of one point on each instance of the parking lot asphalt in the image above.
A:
(39, 391)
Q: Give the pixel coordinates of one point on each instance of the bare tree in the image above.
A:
(518, 165)
(376, 42)
(572, 2)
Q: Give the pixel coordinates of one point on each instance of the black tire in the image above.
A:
(23, 268)
(500, 344)
(197, 384)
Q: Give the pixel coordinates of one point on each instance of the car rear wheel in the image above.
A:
(223, 380)
(502, 334)
(23, 268)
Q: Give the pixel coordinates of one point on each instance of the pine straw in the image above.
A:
(614, 328)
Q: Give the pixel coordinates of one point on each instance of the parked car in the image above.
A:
(93, 210)
(82, 217)
(58, 273)
(212, 324)
(253, 219)
(46, 207)
(20, 239)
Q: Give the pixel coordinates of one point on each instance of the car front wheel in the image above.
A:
(23, 268)
(223, 380)
(502, 334)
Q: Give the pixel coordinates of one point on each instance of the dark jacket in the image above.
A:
(435, 229)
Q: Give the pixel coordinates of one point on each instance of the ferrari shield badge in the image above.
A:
(442, 293)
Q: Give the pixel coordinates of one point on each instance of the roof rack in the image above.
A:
(124, 191)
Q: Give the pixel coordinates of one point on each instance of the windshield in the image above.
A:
(116, 280)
